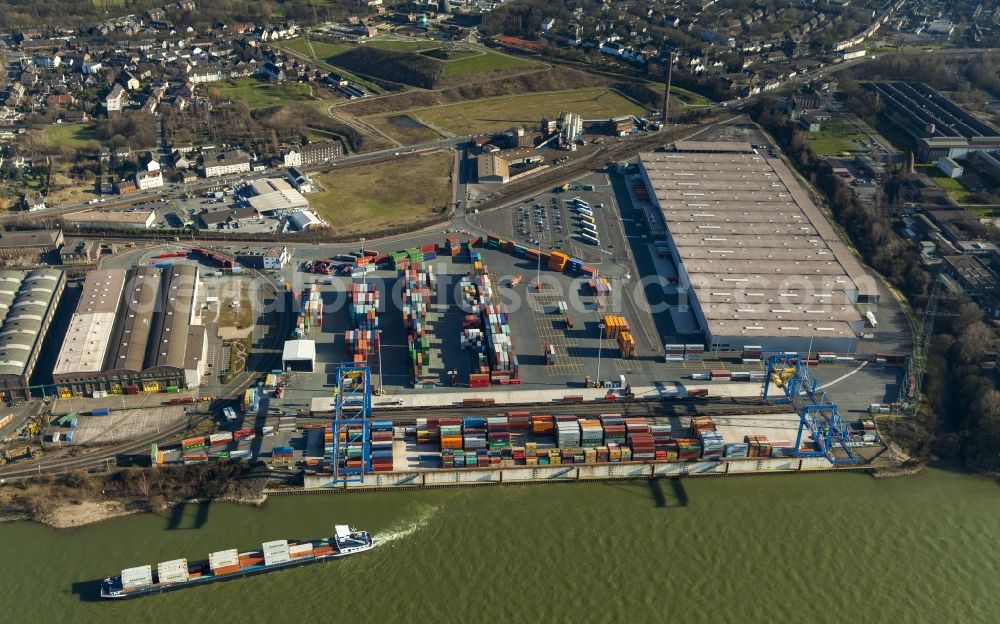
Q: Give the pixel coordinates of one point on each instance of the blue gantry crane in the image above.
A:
(788, 373)
(351, 457)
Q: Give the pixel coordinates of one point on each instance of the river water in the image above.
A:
(816, 548)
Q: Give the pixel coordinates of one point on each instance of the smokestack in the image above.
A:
(666, 90)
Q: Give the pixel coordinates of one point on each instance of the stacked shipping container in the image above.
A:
(501, 440)
(363, 305)
(419, 285)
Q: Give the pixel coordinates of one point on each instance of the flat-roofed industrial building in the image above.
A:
(28, 301)
(764, 266)
(940, 127)
(135, 330)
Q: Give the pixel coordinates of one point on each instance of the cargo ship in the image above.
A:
(230, 564)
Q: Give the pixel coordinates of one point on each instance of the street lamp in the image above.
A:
(378, 332)
(364, 274)
(599, 346)
(812, 332)
(538, 274)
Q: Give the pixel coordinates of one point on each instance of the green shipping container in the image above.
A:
(172, 389)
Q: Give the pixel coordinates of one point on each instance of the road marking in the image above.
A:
(846, 375)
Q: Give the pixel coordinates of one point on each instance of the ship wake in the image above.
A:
(400, 533)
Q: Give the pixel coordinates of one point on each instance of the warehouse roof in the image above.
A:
(932, 112)
(168, 339)
(131, 333)
(713, 146)
(305, 219)
(24, 314)
(281, 199)
(134, 320)
(134, 216)
(89, 333)
(760, 257)
(31, 238)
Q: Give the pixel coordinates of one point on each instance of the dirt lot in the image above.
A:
(406, 190)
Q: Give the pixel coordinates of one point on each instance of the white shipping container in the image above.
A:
(175, 571)
(224, 558)
(134, 578)
(300, 550)
(275, 552)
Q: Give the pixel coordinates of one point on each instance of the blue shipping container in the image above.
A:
(103, 411)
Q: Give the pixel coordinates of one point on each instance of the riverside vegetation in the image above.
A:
(80, 498)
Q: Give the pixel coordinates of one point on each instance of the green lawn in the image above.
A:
(258, 94)
(689, 99)
(318, 50)
(359, 199)
(477, 116)
(404, 46)
(323, 53)
(485, 62)
(953, 186)
(441, 54)
(836, 137)
(74, 135)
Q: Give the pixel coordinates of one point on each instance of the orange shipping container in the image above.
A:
(226, 570)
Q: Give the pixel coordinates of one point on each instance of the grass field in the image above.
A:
(323, 53)
(441, 54)
(404, 46)
(257, 94)
(953, 187)
(836, 137)
(485, 62)
(405, 129)
(689, 99)
(498, 113)
(74, 135)
(359, 199)
(318, 51)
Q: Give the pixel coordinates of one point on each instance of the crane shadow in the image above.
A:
(665, 492)
(181, 517)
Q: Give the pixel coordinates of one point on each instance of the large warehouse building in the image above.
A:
(941, 127)
(764, 266)
(28, 301)
(135, 330)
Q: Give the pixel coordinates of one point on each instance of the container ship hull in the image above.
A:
(112, 588)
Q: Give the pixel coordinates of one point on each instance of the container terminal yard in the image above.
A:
(688, 312)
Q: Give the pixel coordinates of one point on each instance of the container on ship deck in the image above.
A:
(229, 569)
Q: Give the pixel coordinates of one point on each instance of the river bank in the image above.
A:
(76, 500)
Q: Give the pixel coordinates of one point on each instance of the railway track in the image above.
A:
(646, 409)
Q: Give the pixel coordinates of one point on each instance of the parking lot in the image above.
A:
(553, 221)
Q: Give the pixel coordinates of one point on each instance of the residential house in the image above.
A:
(114, 101)
(33, 202)
(149, 179)
(63, 99)
(313, 153)
(226, 163)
